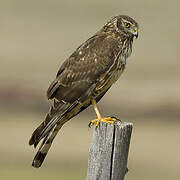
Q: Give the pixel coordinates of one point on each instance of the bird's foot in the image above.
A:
(110, 120)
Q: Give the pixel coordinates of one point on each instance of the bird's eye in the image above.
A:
(127, 25)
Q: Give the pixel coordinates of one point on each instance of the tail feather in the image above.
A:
(47, 130)
(56, 114)
(34, 140)
(44, 148)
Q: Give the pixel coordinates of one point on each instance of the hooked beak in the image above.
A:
(136, 32)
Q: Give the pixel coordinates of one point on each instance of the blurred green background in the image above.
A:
(37, 36)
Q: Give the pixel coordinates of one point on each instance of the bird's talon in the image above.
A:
(91, 123)
(109, 120)
(98, 122)
(113, 117)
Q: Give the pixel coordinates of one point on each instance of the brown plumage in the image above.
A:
(87, 74)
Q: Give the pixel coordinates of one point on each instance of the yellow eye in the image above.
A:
(127, 25)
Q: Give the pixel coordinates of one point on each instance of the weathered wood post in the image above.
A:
(109, 151)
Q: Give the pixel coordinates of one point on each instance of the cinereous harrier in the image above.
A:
(84, 78)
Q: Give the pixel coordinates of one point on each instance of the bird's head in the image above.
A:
(123, 24)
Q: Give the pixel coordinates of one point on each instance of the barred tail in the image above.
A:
(56, 116)
(45, 146)
(48, 129)
(36, 136)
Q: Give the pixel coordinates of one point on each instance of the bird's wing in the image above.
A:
(76, 80)
(83, 69)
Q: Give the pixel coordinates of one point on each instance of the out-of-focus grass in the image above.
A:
(154, 150)
(29, 174)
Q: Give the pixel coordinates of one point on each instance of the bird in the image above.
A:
(84, 78)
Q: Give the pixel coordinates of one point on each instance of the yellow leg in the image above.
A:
(99, 117)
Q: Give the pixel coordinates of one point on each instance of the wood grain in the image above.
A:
(109, 151)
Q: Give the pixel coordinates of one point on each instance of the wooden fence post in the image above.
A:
(109, 151)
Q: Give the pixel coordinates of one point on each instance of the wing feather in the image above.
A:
(76, 80)
(84, 68)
